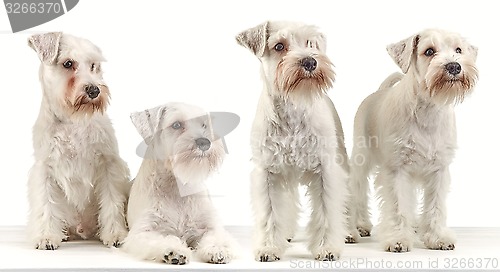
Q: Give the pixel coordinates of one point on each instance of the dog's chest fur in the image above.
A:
(74, 153)
(72, 144)
(187, 217)
(428, 138)
(290, 139)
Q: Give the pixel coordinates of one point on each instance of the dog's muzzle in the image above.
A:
(309, 64)
(92, 91)
(203, 144)
(453, 68)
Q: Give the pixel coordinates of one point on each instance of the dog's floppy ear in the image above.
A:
(403, 52)
(46, 46)
(147, 122)
(254, 39)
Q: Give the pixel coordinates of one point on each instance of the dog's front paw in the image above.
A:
(351, 239)
(113, 239)
(364, 232)
(398, 247)
(327, 254)
(48, 244)
(216, 255)
(268, 254)
(444, 241)
(441, 245)
(176, 257)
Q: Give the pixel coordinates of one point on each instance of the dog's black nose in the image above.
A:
(92, 91)
(453, 68)
(309, 64)
(203, 143)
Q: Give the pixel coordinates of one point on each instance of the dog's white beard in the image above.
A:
(192, 171)
(445, 91)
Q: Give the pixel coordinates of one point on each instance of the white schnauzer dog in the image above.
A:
(297, 138)
(169, 211)
(78, 186)
(406, 133)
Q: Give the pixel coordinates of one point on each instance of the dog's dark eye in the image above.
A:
(92, 67)
(429, 52)
(458, 50)
(68, 64)
(176, 125)
(204, 125)
(279, 47)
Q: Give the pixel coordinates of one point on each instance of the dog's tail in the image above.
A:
(391, 81)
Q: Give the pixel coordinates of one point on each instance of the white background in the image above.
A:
(161, 51)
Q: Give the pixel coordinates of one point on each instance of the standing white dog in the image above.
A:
(78, 186)
(169, 212)
(297, 139)
(406, 131)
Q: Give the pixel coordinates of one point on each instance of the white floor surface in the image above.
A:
(477, 248)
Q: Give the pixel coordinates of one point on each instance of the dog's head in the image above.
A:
(293, 57)
(182, 137)
(71, 73)
(443, 63)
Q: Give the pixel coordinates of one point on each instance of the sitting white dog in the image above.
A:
(168, 214)
(78, 186)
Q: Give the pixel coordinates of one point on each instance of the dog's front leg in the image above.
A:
(47, 204)
(216, 246)
(112, 192)
(327, 228)
(150, 244)
(271, 207)
(398, 208)
(433, 230)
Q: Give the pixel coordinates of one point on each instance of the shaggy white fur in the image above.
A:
(406, 132)
(296, 139)
(78, 186)
(167, 213)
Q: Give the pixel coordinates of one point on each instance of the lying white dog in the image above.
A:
(168, 214)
